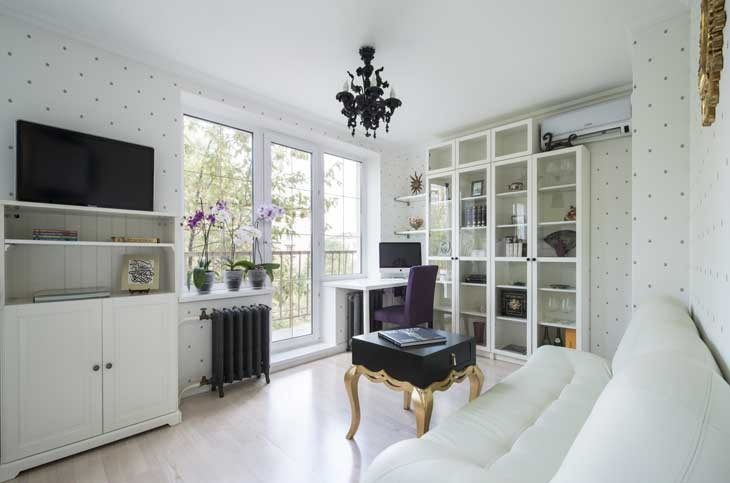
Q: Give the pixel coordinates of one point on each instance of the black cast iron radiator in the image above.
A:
(241, 337)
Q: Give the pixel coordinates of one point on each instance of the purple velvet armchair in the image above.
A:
(418, 308)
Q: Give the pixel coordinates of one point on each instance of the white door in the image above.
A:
(51, 376)
(139, 359)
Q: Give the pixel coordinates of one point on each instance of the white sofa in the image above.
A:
(659, 413)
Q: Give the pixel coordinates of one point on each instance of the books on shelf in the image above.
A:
(135, 239)
(71, 294)
(47, 234)
(416, 336)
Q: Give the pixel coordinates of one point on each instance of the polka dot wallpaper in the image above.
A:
(610, 291)
(709, 217)
(660, 177)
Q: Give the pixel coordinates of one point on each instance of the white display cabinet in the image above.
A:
(514, 140)
(511, 229)
(458, 243)
(540, 224)
(561, 240)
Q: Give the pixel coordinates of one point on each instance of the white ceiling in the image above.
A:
(453, 63)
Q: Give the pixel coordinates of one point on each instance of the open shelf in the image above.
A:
(410, 232)
(562, 325)
(556, 259)
(472, 198)
(512, 319)
(507, 194)
(556, 223)
(559, 187)
(411, 198)
(557, 290)
(114, 295)
(71, 243)
(86, 209)
(474, 227)
(512, 287)
(515, 225)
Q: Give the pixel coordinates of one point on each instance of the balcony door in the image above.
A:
(294, 171)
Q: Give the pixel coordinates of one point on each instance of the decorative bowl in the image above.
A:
(416, 222)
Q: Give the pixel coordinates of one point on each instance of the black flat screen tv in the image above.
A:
(71, 168)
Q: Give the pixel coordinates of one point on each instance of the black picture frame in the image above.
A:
(513, 303)
(477, 187)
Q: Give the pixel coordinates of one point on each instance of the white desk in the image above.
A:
(365, 285)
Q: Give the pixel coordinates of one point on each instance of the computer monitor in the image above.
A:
(397, 258)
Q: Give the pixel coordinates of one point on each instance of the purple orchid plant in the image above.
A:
(203, 222)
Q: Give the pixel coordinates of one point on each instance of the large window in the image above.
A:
(342, 239)
(218, 165)
(319, 234)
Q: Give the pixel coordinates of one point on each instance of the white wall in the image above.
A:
(610, 291)
(709, 202)
(660, 178)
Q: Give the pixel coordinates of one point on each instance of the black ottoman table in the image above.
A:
(420, 370)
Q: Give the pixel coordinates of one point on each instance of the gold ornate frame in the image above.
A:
(423, 403)
(712, 22)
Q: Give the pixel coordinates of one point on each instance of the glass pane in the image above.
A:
(511, 141)
(443, 299)
(556, 302)
(472, 150)
(217, 166)
(439, 157)
(473, 300)
(439, 206)
(511, 310)
(292, 242)
(473, 213)
(511, 208)
(342, 215)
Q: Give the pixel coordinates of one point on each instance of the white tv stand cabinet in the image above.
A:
(79, 374)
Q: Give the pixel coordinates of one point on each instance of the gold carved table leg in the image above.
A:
(351, 378)
(423, 404)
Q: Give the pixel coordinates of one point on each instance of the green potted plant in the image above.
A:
(257, 272)
(202, 223)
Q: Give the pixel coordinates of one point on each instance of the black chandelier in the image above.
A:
(367, 100)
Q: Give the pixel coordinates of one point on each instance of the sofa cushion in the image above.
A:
(662, 419)
(662, 326)
(519, 430)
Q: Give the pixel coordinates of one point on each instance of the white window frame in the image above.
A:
(223, 114)
(363, 220)
(222, 119)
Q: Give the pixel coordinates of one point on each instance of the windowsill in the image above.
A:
(222, 293)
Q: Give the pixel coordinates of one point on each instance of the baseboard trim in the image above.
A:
(10, 470)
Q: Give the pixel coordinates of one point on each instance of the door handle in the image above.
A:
(108, 365)
(96, 367)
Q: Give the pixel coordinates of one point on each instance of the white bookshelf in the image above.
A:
(94, 260)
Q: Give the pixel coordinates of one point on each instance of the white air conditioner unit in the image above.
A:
(593, 123)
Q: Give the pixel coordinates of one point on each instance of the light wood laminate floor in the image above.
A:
(291, 431)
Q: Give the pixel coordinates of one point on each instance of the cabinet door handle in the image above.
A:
(96, 367)
(108, 365)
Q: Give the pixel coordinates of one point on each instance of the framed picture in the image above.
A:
(477, 187)
(514, 303)
(140, 272)
(444, 248)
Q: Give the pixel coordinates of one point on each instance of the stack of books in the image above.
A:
(55, 235)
